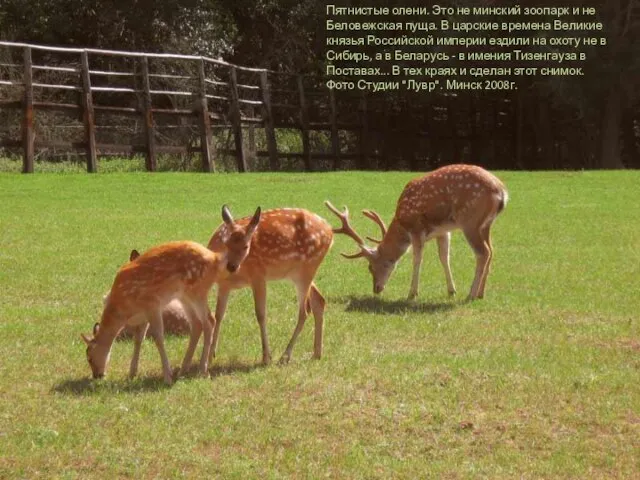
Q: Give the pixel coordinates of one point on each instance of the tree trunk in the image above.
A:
(630, 151)
(611, 120)
(543, 131)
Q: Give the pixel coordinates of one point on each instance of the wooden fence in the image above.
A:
(91, 83)
(151, 104)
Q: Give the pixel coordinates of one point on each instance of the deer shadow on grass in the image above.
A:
(232, 367)
(380, 305)
(88, 386)
(146, 383)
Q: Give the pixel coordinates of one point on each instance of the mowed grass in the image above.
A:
(541, 379)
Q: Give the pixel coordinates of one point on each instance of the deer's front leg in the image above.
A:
(157, 330)
(417, 242)
(221, 308)
(138, 337)
(207, 331)
(260, 300)
(196, 330)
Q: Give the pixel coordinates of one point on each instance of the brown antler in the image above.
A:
(370, 214)
(364, 252)
(344, 218)
(349, 231)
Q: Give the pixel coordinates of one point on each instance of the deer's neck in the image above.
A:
(109, 327)
(395, 243)
(215, 267)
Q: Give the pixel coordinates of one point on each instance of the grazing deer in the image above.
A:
(145, 286)
(464, 197)
(289, 243)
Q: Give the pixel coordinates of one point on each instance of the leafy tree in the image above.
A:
(188, 26)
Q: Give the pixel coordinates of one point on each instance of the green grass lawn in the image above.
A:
(541, 379)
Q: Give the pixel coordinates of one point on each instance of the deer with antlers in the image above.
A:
(144, 286)
(290, 243)
(464, 197)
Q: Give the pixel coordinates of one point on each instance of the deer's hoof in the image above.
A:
(284, 359)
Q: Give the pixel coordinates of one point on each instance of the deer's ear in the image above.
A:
(86, 339)
(96, 327)
(133, 255)
(226, 215)
(253, 224)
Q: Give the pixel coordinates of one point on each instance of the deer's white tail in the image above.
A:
(504, 200)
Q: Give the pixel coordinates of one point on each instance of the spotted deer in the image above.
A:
(143, 287)
(289, 243)
(464, 197)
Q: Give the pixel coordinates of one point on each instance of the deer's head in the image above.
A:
(238, 240)
(381, 264)
(97, 355)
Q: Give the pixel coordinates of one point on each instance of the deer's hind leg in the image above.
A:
(485, 232)
(482, 251)
(303, 286)
(444, 246)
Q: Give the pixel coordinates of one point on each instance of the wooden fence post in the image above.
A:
(89, 123)
(270, 133)
(335, 139)
(236, 121)
(28, 134)
(251, 134)
(207, 148)
(149, 127)
(363, 163)
(304, 127)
